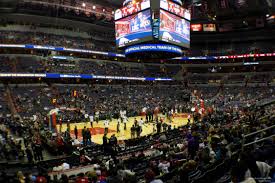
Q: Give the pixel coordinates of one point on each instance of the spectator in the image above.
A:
(84, 136)
(164, 166)
(76, 132)
(89, 137)
(150, 177)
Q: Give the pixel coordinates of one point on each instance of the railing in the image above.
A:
(259, 140)
(263, 139)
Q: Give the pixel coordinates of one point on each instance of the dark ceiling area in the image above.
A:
(109, 3)
(221, 8)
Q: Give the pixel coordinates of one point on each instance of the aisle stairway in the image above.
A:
(10, 101)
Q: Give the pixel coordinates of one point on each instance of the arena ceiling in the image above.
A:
(115, 2)
(112, 3)
(235, 6)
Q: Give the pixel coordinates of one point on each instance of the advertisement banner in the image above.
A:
(209, 27)
(196, 27)
(80, 76)
(153, 48)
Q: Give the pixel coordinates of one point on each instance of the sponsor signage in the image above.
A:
(196, 27)
(153, 47)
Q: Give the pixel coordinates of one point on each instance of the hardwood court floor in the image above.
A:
(98, 129)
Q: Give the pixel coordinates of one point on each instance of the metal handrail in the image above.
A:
(258, 140)
(253, 133)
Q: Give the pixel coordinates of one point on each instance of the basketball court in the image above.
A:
(98, 128)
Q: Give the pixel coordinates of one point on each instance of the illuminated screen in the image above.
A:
(209, 27)
(126, 2)
(134, 29)
(174, 30)
(132, 8)
(196, 27)
(175, 8)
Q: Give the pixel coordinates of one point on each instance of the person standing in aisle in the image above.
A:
(75, 132)
(91, 120)
(118, 126)
(158, 127)
(97, 116)
(125, 121)
(105, 142)
(106, 126)
(84, 136)
(89, 136)
(29, 154)
(140, 123)
(133, 129)
(39, 151)
(138, 131)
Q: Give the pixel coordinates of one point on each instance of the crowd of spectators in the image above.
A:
(190, 153)
(231, 98)
(20, 141)
(44, 39)
(3, 102)
(22, 64)
(103, 41)
(173, 155)
(70, 65)
(73, 10)
(30, 100)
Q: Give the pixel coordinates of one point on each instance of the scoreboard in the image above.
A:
(132, 8)
(175, 9)
(139, 21)
(174, 29)
(134, 29)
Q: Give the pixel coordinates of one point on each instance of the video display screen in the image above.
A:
(132, 8)
(174, 30)
(196, 27)
(134, 29)
(175, 8)
(209, 27)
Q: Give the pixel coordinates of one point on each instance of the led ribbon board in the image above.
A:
(153, 48)
(80, 76)
(39, 47)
